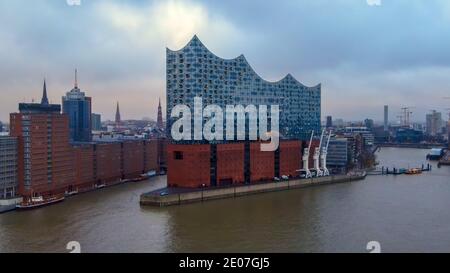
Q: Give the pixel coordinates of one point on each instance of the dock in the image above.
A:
(445, 160)
(179, 196)
(398, 171)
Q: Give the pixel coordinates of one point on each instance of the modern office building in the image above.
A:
(386, 118)
(434, 123)
(8, 167)
(194, 71)
(408, 135)
(44, 153)
(78, 108)
(369, 124)
(96, 122)
(329, 123)
(369, 138)
(337, 157)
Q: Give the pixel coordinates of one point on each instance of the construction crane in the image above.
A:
(323, 157)
(305, 159)
(406, 112)
(400, 117)
(316, 157)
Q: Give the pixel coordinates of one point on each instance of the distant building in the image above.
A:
(45, 156)
(78, 108)
(337, 157)
(407, 135)
(8, 167)
(159, 122)
(1, 127)
(339, 123)
(96, 122)
(329, 123)
(368, 136)
(448, 133)
(118, 119)
(380, 134)
(386, 118)
(369, 124)
(434, 123)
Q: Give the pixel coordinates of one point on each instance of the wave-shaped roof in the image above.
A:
(288, 77)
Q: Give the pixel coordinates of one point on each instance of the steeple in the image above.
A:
(159, 122)
(44, 94)
(117, 114)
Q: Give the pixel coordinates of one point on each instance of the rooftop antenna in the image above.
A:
(76, 78)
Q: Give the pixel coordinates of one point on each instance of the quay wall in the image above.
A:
(200, 195)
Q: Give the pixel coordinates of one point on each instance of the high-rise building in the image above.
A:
(194, 71)
(44, 153)
(96, 122)
(369, 124)
(8, 167)
(329, 123)
(386, 118)
(434, 123)
(78, 108)
(159, 123)
(1, 127)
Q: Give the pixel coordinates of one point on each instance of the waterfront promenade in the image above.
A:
(179, 196)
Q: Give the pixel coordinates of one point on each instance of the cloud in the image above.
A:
(374, 2)
(173, 22)
(364, 59)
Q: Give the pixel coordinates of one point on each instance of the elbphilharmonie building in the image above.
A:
(195, 71)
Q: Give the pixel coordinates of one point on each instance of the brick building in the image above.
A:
(48, 164)
(44, 153)
(230, 163)
(194, 165)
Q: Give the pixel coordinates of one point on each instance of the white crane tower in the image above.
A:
(323, 157)
(305, 158)
(316, 157)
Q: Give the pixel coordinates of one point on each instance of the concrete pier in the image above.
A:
(179, 196)
(9, 204)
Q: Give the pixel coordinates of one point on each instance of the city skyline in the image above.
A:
(120, 53)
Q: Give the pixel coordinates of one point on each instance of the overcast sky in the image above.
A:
(366, 53)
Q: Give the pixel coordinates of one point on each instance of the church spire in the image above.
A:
(44, 99)
(159, 122)
(117, 114)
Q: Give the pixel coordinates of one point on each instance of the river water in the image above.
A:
(403, 213)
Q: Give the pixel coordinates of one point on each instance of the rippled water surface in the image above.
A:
(403, 213)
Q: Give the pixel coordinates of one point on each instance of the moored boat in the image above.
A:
(100, 186)
(70, 193)
(37, 202)
(413, 171)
